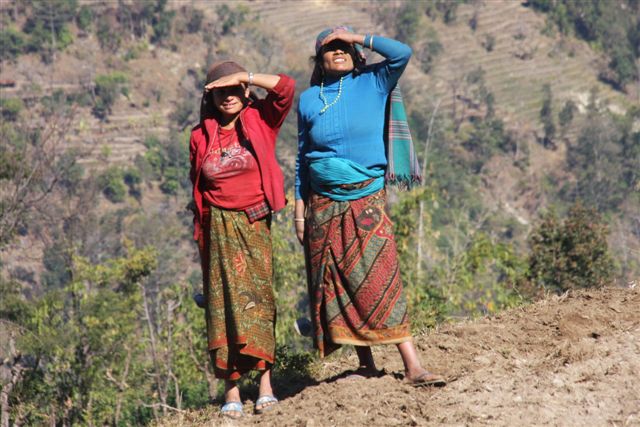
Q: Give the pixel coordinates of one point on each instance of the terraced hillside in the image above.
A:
(522, 59)
(156, 76)
(568, 66)
(153, 87)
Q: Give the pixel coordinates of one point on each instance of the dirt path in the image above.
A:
(570, 360)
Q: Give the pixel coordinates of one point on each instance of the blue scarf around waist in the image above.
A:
(328, 174)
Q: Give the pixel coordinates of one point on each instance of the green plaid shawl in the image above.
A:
(403, 169)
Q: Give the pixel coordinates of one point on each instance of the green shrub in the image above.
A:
(293, 371)
(133, 179)
(12, 43)
(112, 184)
(231, 18)
(431, 48)
(107, 37)
(185, 113)
(171, 182)
(289, 281)
(47, 26)
(485, 138)
(196, 18)
(565, 117)
(167, 161)
(408, 22)
(57, 263)
(84, 18)
(604, 160)
(10, 108)
(135, 50)
(570, 253)
(546, 116)
(13, 305)
(489, 42)
(161, 24)
(447, 9)
(107, 88)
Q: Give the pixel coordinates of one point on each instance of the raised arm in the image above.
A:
(396, 54)
(276, 105)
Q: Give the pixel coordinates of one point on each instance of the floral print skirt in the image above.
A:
(238, 288)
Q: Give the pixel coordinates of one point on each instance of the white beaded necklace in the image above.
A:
(324, 100)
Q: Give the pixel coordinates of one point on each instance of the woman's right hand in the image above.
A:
(300, 231)
(344, 36)
(234, 79)
(298, 220)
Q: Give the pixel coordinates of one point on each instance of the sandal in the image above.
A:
(232, 410)
(426, 379)
(267, 403)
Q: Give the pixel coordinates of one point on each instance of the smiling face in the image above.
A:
(337, 58)
(230, 100)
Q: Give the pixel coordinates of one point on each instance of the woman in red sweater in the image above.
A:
(237, 184)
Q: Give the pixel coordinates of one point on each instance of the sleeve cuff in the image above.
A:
(282, 84)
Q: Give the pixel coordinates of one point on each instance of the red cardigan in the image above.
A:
(260, 122)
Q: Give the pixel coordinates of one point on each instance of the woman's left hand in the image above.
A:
(234, 79)
(344, 36)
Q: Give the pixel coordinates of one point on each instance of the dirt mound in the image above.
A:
(568, 360)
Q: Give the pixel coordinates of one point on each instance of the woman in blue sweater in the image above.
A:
(355, 291)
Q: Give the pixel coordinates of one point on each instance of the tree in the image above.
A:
(565, 117)
(32, 168)
(10, 108)
(546, 117)
(601, 160)
(572, 253)
(611, 27)
(107, 88)
(112, 184)
(12, 43)
(84, 338)
(47, 25)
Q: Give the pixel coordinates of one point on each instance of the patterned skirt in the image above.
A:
(355, 290)
(240, 309)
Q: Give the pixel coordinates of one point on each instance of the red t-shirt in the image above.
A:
(231, 173)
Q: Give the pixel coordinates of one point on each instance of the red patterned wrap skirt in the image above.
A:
(355, 290)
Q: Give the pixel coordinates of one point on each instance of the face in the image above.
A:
(230, 100)
(337, 58)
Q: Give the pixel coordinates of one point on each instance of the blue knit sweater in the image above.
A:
(353, 128)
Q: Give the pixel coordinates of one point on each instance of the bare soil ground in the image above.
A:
(567, 360)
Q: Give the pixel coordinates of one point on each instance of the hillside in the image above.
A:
(160, 77)
(568, 360)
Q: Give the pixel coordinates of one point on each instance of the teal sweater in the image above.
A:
(353, 128)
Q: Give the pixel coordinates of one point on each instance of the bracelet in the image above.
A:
(250, 78)
(298, 219)
(370, 44)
